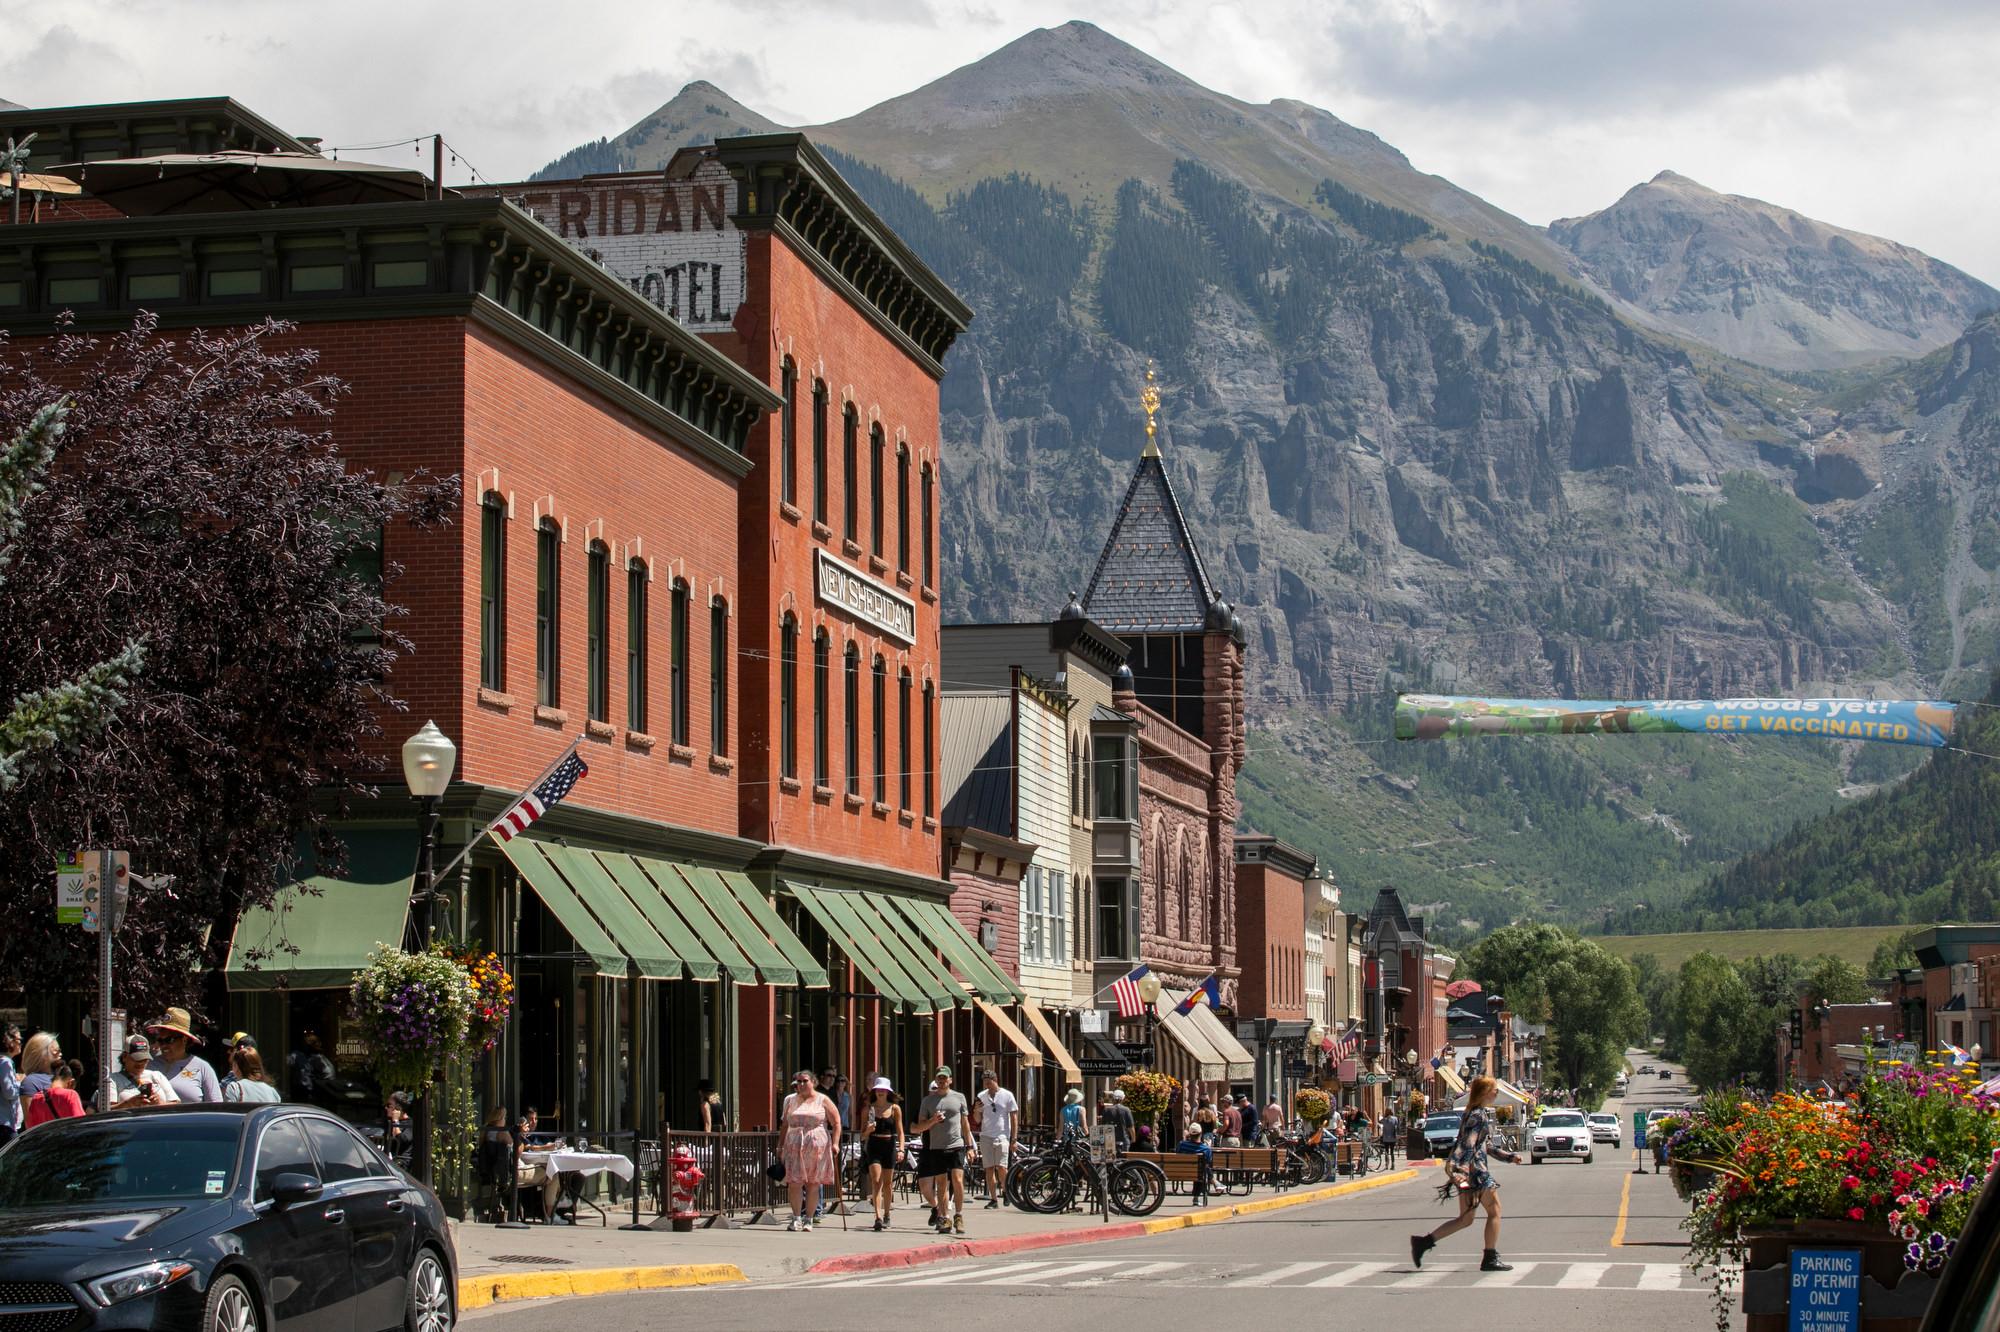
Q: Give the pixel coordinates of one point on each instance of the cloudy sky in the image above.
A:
(1876, 116)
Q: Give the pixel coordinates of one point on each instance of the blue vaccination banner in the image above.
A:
(1891, 721)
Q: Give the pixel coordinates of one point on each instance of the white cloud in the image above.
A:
(1863, 114)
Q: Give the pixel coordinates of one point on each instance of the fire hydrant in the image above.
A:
(686, 1174)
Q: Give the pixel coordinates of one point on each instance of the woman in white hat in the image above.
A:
(883, 1147)
(185, 1071)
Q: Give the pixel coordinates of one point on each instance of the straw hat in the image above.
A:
(176, 1020)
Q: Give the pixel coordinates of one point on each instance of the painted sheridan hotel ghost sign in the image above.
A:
(866, 600)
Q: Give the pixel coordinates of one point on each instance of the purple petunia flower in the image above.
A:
(1936, 1241)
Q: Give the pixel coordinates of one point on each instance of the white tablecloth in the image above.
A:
(588, 1163)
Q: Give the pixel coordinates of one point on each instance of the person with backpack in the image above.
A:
(56, 1101)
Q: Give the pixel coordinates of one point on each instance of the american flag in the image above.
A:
(540, 800)
(1126, 991)
(1348, 1042)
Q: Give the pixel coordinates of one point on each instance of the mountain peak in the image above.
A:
(1674, 179)
(699, 113)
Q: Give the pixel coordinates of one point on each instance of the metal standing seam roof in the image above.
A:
(1150, 576)
(1103, 713)
(977, 761)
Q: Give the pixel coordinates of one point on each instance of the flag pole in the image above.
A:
(1107, 989)
(480, 836)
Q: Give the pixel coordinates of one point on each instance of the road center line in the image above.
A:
(1624, 1205)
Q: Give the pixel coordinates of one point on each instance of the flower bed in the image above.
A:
(1902, 1159)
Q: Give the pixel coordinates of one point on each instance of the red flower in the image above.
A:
(1876, 1200)
(1855, 1213)
(1851, 1182)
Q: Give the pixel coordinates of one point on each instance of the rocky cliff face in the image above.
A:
(1763, 283)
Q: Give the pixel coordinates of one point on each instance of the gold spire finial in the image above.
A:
(1149, 398)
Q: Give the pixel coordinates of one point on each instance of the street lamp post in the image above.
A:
(1149, 993)
(428, 759)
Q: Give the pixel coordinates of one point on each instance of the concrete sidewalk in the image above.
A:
(496, 1265)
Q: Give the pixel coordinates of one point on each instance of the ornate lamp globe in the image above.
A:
(429, 757)
(1149, 989)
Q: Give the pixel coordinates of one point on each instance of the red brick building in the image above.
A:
(1273, 880)
(698, 536)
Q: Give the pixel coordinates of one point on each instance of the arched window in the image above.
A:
(903, 738)
(1160, 879)
(548, 613)
(677, 664)
(819, 451)
(927, 518)
(492, 591)
(930, 749)
(637, 631)
(1086, 777)
(853, 719)
(875, 460)
(881, 712)
(903, 508)
(850, 474)
(788, 697)
(597, 632)
(822, 751)
(718, 675)
(788, 433)
(1187, 895)
(1075, 780)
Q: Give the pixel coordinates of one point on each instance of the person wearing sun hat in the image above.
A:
(185, 1071)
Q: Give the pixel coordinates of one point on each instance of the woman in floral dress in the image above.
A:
(811, 1148)
(1476, 1185)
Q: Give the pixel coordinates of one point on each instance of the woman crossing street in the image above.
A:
(1476, 1185)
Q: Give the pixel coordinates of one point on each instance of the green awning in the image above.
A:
(622, 920)
(951, 937)
(708, 886)
(319, 931)
(628, 873)
(811, 974)
(913, 950)
(862, 947)
(565, 906)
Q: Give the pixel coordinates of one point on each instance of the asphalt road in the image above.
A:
(1592, 1246)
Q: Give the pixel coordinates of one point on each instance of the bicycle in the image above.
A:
(1055, 1180)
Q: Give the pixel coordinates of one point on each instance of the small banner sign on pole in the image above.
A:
(71, 871)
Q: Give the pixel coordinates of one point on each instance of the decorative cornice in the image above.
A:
(481, 258)
(140, 129)
(785, 184)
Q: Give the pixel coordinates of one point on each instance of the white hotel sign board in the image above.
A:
(866, 600)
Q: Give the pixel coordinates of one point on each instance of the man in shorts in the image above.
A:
(997, 1110)
(941, 1119)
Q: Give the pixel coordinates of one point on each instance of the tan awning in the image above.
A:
(1040, 1022)
(1031, 1054)
(1240, 1061)
(1451, 1079)
(1210, 1066)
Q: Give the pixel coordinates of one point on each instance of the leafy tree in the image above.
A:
(194, 503)
(1715, 1027)
(1894, 955)
(1655, 985)
(1588, 997)
(1774, 979)
(1835, 980)
(69, 711)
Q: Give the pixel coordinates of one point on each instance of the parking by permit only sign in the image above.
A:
(1826, 1290)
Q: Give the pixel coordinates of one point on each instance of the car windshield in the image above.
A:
(1604, 1119)
(146, 1159)
(1437, 1122)
(1562, 1121)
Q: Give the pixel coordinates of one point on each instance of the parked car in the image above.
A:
(1666, 1073)
(250, 1218)
(1562, 1134)
(1645, 1069)
(1606, 1128)
(1441, 1131)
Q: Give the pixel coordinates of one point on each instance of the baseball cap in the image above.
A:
(1117, 1095)
(138, 1047)
(242, 1040)
(943, 1071)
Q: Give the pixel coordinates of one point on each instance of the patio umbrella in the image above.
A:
(1458, 989)
(229, 182)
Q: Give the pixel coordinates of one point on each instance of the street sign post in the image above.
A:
(1825, 1294)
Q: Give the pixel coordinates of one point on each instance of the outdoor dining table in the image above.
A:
(563, 1171)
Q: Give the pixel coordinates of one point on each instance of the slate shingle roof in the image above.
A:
(1150, 577)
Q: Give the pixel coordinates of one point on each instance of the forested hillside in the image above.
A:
(1927, 850)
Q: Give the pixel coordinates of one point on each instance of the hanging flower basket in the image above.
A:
(1147, 1094)
(1312, 1105)
(491, 999)
(413, 1011)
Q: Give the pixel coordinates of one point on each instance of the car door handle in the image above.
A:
(395, 1204)
(335, 1215)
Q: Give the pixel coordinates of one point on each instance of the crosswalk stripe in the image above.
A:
(1428, 1276)
(1351, 1275)
(1519, 1274)
(1277, 1274)
(906, 1278)
(1030, 1278)
(1660, 1276)
(1583, 1276)
(1145, 1270)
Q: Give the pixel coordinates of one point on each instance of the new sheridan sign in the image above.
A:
(865, 599)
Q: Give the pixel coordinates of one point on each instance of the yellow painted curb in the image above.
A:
(476, 1292)
(1209, 1216)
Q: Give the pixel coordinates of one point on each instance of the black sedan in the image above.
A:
(253, 1218)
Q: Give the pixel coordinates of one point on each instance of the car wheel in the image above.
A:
(429, 1303)
(230, 1307)
(1588, 1158)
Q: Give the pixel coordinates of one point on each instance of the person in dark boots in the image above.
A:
(1476, 1185)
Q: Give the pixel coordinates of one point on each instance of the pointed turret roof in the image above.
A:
(1150, 578)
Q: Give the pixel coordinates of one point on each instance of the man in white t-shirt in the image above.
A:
(997, 1112)
(135, 1083)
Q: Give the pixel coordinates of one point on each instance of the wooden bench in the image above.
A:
(1180, 1168)
(1238, 1169)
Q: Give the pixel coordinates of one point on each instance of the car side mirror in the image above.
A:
(289, 1190)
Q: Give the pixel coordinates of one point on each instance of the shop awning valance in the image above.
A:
(565, 904)
(950, 937)
(1031, 1054)
(320, 930)
(1241, 1063)
(1210, 1066)
(1052, 1042)
(875, 962)
(759, 909)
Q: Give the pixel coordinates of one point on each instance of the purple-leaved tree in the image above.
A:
(195, 504)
